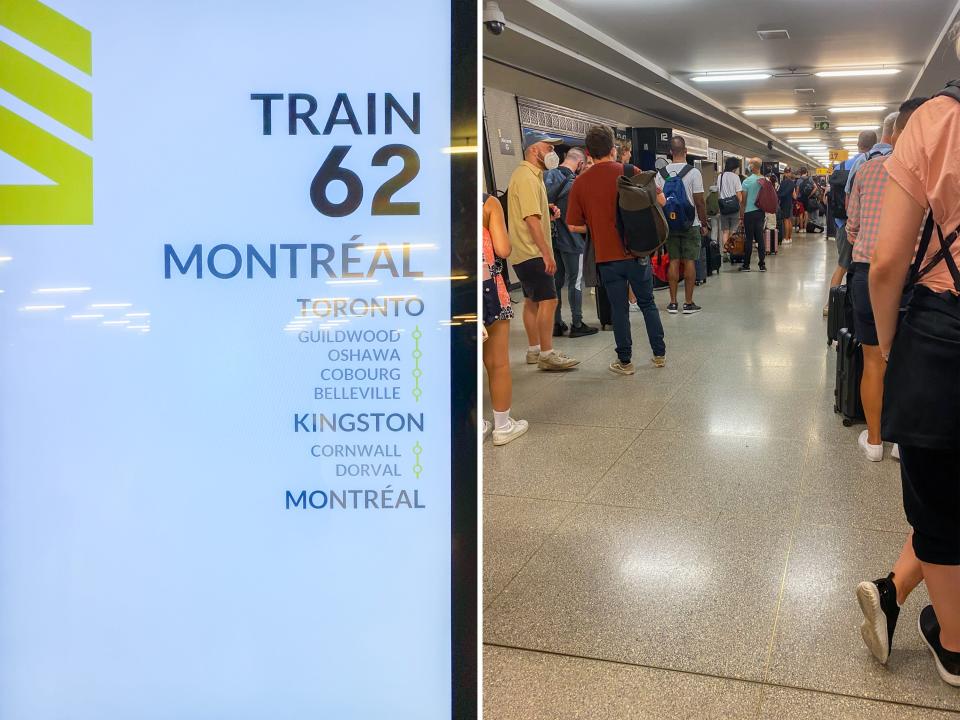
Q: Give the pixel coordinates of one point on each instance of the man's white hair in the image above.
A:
(888, 122)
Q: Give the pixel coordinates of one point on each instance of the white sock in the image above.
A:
(533, 348)
(544, 354)
(501, 420)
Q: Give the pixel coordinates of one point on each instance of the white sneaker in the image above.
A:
(634, 307)
(533, 357)
(895, 452)
(487, 429)
(515, 429)
(556, 361)
(874, 453)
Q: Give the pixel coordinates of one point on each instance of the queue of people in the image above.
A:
(906, 300)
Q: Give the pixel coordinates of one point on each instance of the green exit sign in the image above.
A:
(821, 125)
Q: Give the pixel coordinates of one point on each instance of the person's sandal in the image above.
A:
(659, 361)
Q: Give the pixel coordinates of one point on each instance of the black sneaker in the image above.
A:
(672, 308)
(691, 308)
(878, 602)
(582, 330)
(744, 268)
(560, 329)
(948, 662)
(763, 268)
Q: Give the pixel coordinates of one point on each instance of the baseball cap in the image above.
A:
(532, 137)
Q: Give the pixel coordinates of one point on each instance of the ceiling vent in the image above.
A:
(773, 34)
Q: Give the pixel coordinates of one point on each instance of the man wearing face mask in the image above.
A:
(568, 246)
(532, 255)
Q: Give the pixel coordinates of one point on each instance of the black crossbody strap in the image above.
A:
(915, 271)
(945, 244)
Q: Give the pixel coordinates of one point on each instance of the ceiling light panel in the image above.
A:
(857, 128)
(770, 111)
(790, 129)
(858, 73)
(859, 109)
(729, 77)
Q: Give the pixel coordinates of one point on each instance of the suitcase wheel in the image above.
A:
(847, 422)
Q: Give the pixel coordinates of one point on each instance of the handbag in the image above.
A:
(728, 205)
(735, 243)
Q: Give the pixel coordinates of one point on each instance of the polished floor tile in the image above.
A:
(711, 517)
(840, 487)
(554, 462)
(648, 588)
(818, 644)
(513, 530)
(522, 685)
(805, 705)
(700, 476)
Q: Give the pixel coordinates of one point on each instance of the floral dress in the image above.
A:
(496, 299)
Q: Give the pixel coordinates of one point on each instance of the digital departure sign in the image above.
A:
(225, 360)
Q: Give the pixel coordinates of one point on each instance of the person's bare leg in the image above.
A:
(788, 229)
(871, 391)
(907, 571)
(673, 277)
(531, 323)
(545, 314)
(496, 359)
(943, 584)
(724, 236)
(689, 280)
(631, 297)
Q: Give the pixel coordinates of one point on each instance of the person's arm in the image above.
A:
(661, 198)
(853, 213)
(576, 222)
(536, 234)
(497, 227)
(701, 204)
(896, 243)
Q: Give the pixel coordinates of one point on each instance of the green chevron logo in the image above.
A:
(70, 200)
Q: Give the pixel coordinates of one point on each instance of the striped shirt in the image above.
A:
(864, 206)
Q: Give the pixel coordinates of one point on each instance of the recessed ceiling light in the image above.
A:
(857, 73)
(857, 128)
(718, 77)
(795, 141)
(858, 108)
(770, 111)
(790, 129)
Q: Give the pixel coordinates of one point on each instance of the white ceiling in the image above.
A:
(643, 53)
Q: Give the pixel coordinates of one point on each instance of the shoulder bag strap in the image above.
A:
(664, 174)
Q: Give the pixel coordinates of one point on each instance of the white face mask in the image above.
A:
(551, 160)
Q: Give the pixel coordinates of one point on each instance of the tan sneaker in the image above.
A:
(556, 361)
(533, 357)
(659, 361)
(621, 368)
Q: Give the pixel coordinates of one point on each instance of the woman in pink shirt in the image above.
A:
(921, 405)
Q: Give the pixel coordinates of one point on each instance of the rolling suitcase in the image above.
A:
(839, 313)
(771, 239)
(701, 266)
(849, 374)
(714, 257)
(604, 313)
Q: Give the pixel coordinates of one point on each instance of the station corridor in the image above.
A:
(686, 542)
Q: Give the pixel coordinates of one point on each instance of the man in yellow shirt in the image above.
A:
(532, 256)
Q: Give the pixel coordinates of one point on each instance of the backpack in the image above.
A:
(641, 223)
(767, 197)
(838, 194)
(679, 211)
(806, 187)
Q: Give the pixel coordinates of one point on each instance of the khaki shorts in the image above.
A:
(684, 245)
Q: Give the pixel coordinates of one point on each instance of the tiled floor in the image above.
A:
(685, 543)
